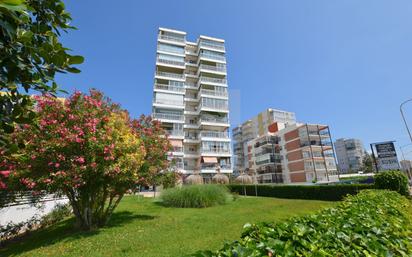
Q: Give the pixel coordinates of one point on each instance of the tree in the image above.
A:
(367, 163)
(30, 56)
(84, 148)
(157, 144)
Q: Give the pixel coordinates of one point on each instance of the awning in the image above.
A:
(176, 143)
(209, 159)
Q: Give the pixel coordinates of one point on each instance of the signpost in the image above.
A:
(386, 158)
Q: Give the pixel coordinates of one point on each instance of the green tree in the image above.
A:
(30, 56)
(367, 163)
(84, 148)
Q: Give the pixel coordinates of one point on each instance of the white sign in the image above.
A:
(387, 159)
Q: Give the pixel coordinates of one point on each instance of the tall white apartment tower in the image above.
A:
(191, 101)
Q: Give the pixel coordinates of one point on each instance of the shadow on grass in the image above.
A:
(64, 231)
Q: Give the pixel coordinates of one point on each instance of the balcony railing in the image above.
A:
(191, 73)
(213, 166)
(170, 75)
(213, 80)
(167, 116)
(213, 56)
(177, 149)
(191, 152)
(214, 134)
(170, 62)
(178, 133)
(214, 120)
(213, 68)
(172, 38)
(215, 105)
(191, 85)
(169, 102)
(211, 45)
(216, 151)
(169, 88)
(171, 50)
(213, 92)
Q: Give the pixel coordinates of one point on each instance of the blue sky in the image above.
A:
(343, 63)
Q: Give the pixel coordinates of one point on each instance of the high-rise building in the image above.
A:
(297, 153)
(350, 153)
(191, 101)
(253, 128)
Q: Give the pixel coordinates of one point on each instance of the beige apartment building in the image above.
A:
(253, 128)
(191, 101)
(295, 153)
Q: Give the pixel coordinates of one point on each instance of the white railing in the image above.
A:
(168, 116)
(191, 85)
(172, 38)
(171, 75)
(216, 151)
(169, 102)
(170, 62)
(214, 120)
(191, 152)
(215, 105)
(211, 45)
(191, 73)
(175, 132)
(213, 56)
(169, 88)
(213, 80)
(214, 134)
(171, 50)
(213, 68)
(212, 92)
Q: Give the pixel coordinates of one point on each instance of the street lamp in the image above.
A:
(403, 117)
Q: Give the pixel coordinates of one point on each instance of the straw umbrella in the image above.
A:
(220, 178)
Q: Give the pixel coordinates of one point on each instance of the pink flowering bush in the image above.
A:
(85, 147)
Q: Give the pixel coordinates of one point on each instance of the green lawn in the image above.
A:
(141, 227)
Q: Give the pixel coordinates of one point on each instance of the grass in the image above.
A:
(141, 227)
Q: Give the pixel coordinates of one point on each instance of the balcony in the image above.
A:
(191, 85)
(212, 80)
(214, 120)
(179, 51)
(214, 105)
(216, 151)
(170, 75)
(213, 166)
(213, 92)
(172, 38)
(175, 133)
(216, 46)
(169, 88)
(167, 116)
(213, 68)
(179, 104)
(171, 62)
(213, 57)
(190, 73)
(214, 134)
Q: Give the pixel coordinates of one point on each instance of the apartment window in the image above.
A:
(171, 48)
(214, 103)
(213, 146)
(164, 98)
(172, 58)
(306, 154)
(320, 165)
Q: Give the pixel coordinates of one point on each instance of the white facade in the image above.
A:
(191, 100)
(350, 153)
(256, 127)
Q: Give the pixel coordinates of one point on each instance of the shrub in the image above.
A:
(195, 196)
(313, 192)
(372, 223)
(392, 180)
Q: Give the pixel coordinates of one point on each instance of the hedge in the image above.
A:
(372, 223)
(312, 192)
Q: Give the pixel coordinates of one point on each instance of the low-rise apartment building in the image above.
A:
(253, 128)
(296, 153)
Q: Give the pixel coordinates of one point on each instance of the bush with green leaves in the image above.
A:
(392, 180)
(312, 192)
(372, 223)
(195, 196)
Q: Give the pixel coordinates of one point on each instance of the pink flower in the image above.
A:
(93, 165)
(5, 173)
(2, 185)
(80, 160)
(57, 165)
(47, 181)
